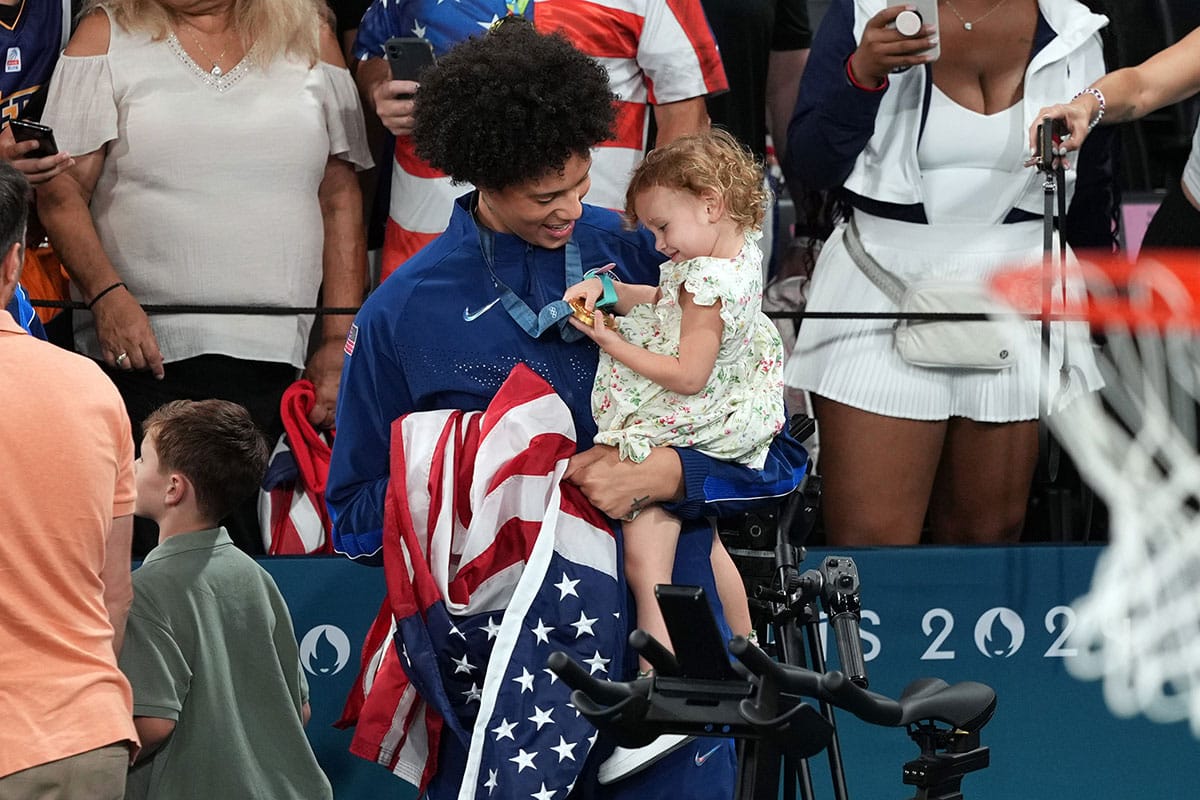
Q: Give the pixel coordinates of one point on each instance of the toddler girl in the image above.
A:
(694, 362)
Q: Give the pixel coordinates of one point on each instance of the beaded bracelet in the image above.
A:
(1099, 95)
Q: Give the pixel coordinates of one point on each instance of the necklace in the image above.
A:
(971, 25)
(216, 70)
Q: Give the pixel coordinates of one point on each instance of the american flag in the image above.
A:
(492, 563)
(291, 505)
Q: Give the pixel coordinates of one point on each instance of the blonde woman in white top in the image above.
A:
(215, 146)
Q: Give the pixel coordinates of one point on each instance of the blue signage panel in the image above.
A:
(1001, 616)
(333, 602)
(995, 615)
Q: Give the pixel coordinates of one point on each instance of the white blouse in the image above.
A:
(208, 194)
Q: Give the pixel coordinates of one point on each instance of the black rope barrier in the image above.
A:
(795, 316)
(262, 311)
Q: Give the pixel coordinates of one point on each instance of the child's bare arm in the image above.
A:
(628, 294)
(633, 294)
(699, 342)
(153, 732)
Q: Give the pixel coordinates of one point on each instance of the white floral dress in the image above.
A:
(737, 414)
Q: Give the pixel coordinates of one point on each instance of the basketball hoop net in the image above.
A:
(1134, 442)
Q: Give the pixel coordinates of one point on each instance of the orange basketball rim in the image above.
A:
(1160, 289)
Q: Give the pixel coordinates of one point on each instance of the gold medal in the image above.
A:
(579, 310)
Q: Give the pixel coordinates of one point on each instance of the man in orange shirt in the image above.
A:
(67, 457)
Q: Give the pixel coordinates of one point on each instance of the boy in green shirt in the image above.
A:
(219, 696)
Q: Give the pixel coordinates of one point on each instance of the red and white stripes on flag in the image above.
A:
(292, 513)
(492, 562)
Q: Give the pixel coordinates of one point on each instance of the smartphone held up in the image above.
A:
(25, 131)
(408, 58)
(911, 22)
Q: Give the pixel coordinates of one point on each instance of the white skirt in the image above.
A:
(854, 361)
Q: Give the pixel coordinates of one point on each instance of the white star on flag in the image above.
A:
(541, 717)
(474, 693)
(541, 632)
(454, 631)
(492, 628)
(553, 675)
(584, 625)
(505, 730)
(566, 587)
(526, 679)
(488, 25)
(418, 29)
(463, 665)
(544, 794)
(491, 782)
(523, 760)
(597, 663)
(564, 748)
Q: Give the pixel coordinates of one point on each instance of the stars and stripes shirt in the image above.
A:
(655, 51)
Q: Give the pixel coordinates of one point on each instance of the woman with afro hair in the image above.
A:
(516, 113)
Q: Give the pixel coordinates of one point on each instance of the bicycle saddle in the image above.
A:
(967, 706)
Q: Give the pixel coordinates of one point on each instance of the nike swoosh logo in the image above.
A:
(471, 316)
(700, 759)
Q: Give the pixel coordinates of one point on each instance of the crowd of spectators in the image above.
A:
(219, 162)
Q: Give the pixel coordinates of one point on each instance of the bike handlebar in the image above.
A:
(575, 676)
(836, 688)
(841, 690)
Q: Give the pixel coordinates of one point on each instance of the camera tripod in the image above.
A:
(762, 702)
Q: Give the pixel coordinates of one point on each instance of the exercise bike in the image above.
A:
(762, 701)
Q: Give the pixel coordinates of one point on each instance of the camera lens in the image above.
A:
(908, 23)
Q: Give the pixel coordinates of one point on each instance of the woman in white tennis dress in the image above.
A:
(930, 157)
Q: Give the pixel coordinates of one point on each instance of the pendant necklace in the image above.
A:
(216, 70)
(971, 25)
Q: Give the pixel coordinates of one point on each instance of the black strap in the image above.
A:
(1055, 195)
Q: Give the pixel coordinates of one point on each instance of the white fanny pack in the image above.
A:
(957, 343)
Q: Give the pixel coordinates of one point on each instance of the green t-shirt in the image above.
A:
(210, 645)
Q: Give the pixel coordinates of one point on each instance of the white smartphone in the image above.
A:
(910, 23)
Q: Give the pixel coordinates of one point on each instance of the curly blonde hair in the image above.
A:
(276, 28)
(712, 161)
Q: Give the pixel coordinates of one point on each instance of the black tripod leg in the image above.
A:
(758, 762)
(791, 651)
(837, 770)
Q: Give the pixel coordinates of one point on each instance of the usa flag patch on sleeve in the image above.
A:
(350, 339)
